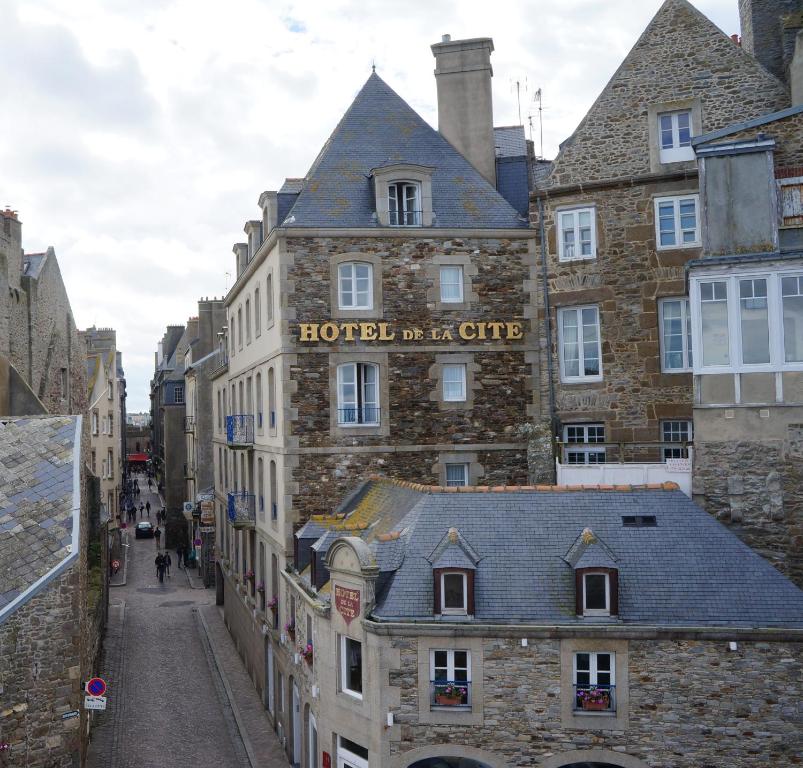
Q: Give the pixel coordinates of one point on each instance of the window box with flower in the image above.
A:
(261, 587)
(273, 603)
(290, 629)
(250, 575)
(306, 653)
(451, 694)
(594, 699)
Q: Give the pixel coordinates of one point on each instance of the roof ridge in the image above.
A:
(424, 488)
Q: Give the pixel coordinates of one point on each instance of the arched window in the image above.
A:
(260, 489)
(240, 328)
(269, 298)
(259, 401)
(271, 401)
(248, 321)
(274, 502)
(257, 313)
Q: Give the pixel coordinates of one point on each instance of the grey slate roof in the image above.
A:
(688, 570)
(36, 499)
(381, 128)
(510, 141)
(35, 262)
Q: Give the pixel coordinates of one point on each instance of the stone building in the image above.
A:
(380, 321)
(41, 353)
(534, 626)
(747, 322)
(52, 590)
(106, 413)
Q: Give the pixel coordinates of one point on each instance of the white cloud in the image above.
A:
(138, 137)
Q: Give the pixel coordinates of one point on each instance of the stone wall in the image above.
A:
(691, 704)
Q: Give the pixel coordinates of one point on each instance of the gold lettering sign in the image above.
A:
(471, 330)
(347, 602)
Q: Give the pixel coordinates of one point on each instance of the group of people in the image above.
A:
(163, 563)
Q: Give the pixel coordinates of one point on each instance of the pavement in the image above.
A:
(177, 690)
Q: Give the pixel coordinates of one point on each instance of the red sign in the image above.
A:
(327, 760)
(347, 602)
(96, 687)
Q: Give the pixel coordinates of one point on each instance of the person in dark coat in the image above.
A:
(157, 534)
(180, 554)
(159, 562)
(168, 563)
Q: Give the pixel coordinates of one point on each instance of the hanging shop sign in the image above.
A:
(492, 330)
(207, 513)
(347, 602)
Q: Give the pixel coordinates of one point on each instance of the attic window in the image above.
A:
(404, 204)
(454, 592)
(597, 591)
(639, 521)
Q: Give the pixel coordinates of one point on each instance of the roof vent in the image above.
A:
(639, 521)
(446, 38)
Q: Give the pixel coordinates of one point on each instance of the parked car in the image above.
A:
(144, 530)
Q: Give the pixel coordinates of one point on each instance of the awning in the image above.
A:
(138, 457)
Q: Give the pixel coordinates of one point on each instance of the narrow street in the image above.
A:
(166, 700)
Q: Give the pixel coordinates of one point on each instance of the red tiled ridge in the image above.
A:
(668, 486)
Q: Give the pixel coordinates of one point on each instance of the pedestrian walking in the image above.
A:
(150, 484)
(141, 509)
(168, 563)
(157, 534)
(164, 514)
(148, 507)
(159, 562)
(179, 551)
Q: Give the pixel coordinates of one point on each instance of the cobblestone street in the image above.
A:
(167, 701)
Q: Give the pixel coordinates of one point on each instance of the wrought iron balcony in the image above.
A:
(595, 698)
(241, 509)
(189, 423)
(240, 431)
(404, 218)
(358, 415)
(450, 693)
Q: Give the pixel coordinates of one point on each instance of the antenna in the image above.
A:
(228, 275)
(538, 97)
(518, 84)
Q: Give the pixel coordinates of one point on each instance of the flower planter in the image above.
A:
(596, 706)
(442, 700)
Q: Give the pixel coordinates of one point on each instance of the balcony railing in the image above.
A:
(459, 697)
(357, 415)
(594, 698)
(241, 509)
(189, 423)
(240, 430)
(404, 218)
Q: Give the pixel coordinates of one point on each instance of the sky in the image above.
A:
(136, 137)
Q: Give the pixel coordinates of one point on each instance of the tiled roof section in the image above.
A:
(291, 186)
(36, 499)
(510, 141)
(687, 570)
(34, 262)
(380, 128)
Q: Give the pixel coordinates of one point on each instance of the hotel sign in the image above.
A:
(490, 330)
(347, 602)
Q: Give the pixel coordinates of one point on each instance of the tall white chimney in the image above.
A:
(465, 105)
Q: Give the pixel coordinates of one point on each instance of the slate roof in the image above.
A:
(37, 500)
(687, 570)
(510, 141)
(35, 262)
(380, 128)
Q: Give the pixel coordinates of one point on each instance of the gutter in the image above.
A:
(547, 328)
(43, 581)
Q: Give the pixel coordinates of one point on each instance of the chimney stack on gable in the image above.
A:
(768, 33)
(796, 72)
(465, 104)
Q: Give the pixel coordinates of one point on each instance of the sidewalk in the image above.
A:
(256, 731)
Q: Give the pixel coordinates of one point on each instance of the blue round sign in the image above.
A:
(96, 687)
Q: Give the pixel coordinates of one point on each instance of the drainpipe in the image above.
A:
(548, 330)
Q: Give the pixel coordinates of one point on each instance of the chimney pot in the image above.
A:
(446, 38)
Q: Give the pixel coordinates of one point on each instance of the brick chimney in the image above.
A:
(465, 106)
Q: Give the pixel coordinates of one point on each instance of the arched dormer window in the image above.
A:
(404, 204)
(596, 576)
(403, 195)
(454, 563)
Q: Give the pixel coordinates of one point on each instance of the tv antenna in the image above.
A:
(228, 275)
(518, 85)
(538, 99)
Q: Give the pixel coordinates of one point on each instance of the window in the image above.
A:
(451, 281)
(355, 286)
(351, 666)
(454, 594)
(450, 673)
(94, 462)
(456, 475)
(269, 299)
(257, 313)
(792, 299)
(259, 401)
(677, 222)
(63, 384)
(674, 131)
(111, 423)
(404, 204)
(579, 343)
(95, 427)
(271, 400)
(274, 499)
(240, 328)
(261, 488)
(676, 432)
(358, 394)
(578, 443)
(178, 394)
(248, 321)
(350, 754)
(232, 336)
(754, 320)
(594, 675)
(714, 322)
(454, 382)
(596, 594)
(219, 413)
(577, 235)
(676, 348)
(109, 385)
(110, 463)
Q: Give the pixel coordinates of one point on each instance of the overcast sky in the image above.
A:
(136, 137)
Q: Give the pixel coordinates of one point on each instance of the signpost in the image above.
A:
(71, 714)
(95, 687)
(95, 702)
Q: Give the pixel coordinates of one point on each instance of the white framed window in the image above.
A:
(357, 394)
(178, 394)
(596, 594)
(676, 347)
(451, 282)
(350, 754)
(579, 344)
(674, 136)
(450, 666)
(579, 440)
(748, 322)
(351, 666)
(257, 313)
(577, 237)
(677, 222)
(240, 327)
(676, 431)
(248, 321)
(355, 285)
(404, 204)
(454, 382)
(95, 427)
(456, 475)
(594, 674)
(454, 593)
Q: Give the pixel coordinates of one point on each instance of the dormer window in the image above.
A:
(597, 591)
(454, 593)
(404, 204)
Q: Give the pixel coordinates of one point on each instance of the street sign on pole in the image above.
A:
(94, 702)
(96, 687)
